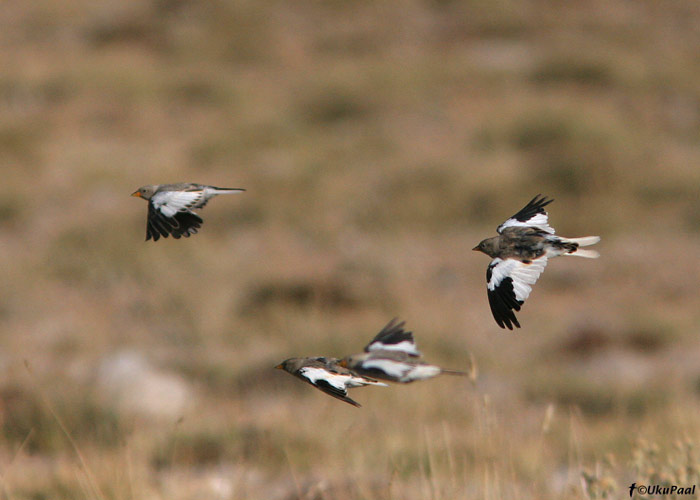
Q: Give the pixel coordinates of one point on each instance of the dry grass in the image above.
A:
(375, 154)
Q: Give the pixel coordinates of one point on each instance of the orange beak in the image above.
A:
(279, 367)
(343, 363)
(476, 248)
(136, 193)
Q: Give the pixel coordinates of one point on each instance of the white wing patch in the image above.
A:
(402, 372)
(523, 275)
(392, 368)
(404, 346)
(539, 221)
(171, 202)
(336, 380)
(340, 381)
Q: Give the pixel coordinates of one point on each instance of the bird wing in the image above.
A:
(383, 368)
(329, 382)
(170, 203)
(509, 283)
(531, 215)
(399, 371)
(394, 338)
(180, 224)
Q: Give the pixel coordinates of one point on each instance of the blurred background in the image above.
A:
(378, 143)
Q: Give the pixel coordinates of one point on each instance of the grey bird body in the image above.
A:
(520, 253)
(327, 375)
(170, 207)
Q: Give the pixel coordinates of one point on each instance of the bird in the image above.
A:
(392, 355)
(520, 252)
(170, 207)
(326, 375)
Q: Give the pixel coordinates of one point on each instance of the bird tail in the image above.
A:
(583, 242)
(455, 372)
(375, 382)
(219, 190)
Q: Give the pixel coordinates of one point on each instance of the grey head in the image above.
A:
(489, 246)
(291, 365)
(146, 192)
(351, 362)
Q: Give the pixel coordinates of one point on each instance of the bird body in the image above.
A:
(170, 207)
(520, 253)
(526, 244)
(392, 355)
(327, 375)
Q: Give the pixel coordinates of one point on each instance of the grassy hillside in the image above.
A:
(378, 143)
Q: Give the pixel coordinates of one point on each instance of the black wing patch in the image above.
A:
(502, 301)
(181, 224)
(326, 387)
(394, 338)
(535, 206)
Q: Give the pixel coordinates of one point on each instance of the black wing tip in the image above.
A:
(395, 325)
(504, 316)
(503, 302)
(539, 201)
(326, 387)
(181, 224)
(392, 333)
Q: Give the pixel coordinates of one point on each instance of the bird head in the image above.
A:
(145, 192)
(291, 365)
(487, 246)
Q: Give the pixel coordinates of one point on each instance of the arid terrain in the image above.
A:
(378, 143)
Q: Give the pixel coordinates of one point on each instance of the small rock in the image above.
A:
(132, 385)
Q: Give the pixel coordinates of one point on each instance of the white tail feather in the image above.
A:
(589, 254)
(583, 241)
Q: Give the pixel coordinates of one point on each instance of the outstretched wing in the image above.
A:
(394, 338)
(398, 370)
(509, 283)
(327, 381)
(531, 215)
(179, 224)
(168, 203)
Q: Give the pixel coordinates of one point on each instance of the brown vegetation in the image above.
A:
(378, 142)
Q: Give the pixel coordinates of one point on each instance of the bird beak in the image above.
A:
(136, 193)
(279, 367)
(476, 248)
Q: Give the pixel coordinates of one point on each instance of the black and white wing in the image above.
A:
(327, 381)
(531, 215)
(169, 203)
(509, 283)
(394, 338)
(396, 370)
(180, 224)
(169, 214)
(334, 380)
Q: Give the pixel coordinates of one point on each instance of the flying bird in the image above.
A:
(392, 355)
(520, 252)
(325, 374)
(170, 207)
